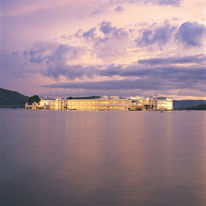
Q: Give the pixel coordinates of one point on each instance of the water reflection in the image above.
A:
(102, 158)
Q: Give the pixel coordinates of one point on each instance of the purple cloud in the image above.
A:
(69, 71)
(191, 34)
(160, 79)
(90, 33)
(55, 65)
(15, 71)
(171, 73)
(106, 27)
(169, 2)
(198, 59)
(160, 2)
(51, 54)
(119, 9)
(108, 85)
(14, 64)
(159, 35)
(53, 60)
(112, 42)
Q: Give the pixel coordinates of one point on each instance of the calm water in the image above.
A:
(59, 158)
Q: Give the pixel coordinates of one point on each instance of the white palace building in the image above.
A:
(105, 103)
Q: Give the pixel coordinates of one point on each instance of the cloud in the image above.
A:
(168, 79)
(198, 59)
(159, 35)
(107, 85)
(143, 78)
(168, 2)
(160, 2)
(111, 31)
(119, 9)
(171, 73)
(14, 64)
(191, 34)
(90, 33)
(106, 27)
(69, 71)
(22, 7)
(17, 73)
(160, 78)
(53, 53)
(31, 7)
(54, 60)
(108, 42)
(106, 6)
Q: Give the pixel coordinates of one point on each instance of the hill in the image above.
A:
(183, 104)
(10, 99)
(199, 107)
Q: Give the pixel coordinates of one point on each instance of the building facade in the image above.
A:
(163, 103)
(98, 104)
(104, 104)
(83, 104)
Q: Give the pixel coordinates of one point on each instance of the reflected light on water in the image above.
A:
(103, 158)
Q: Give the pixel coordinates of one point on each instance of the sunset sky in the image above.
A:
(113, 47)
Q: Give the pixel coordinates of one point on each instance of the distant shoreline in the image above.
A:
(11, 107)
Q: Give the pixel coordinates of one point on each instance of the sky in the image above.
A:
(105, 47)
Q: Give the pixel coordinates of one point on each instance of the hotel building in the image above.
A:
(104, 104)
(163, 103)
(98, 104)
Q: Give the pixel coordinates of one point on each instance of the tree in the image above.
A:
(33, 99)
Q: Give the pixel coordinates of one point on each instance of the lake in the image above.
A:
(61, 158)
